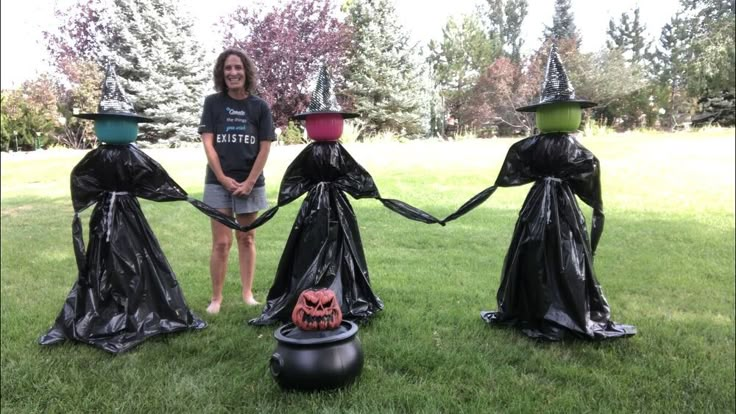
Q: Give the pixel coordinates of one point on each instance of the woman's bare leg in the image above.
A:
(222, 239)
(247, 256)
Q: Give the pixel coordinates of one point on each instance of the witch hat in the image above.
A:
(323, 99)
(556, 87)
(113, 102)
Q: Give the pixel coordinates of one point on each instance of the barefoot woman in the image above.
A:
(237, 130)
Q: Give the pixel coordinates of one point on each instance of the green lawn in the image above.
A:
(666, 264)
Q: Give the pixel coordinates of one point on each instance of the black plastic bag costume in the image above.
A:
(324, 249)
(548, 286)
(126, 290)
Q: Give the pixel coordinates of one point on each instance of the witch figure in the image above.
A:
(324, 249)
(548, 287)
(126, 290)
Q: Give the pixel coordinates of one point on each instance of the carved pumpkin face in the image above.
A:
(317, 309)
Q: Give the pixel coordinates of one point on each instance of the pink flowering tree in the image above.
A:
(288, 44)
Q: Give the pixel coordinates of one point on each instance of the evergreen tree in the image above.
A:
(504, 20)
(383, 75)
(458, 60)
(695, 56)
(563, 24)
(515, 12)
(711, 53)
(670, 62)
(626, 38)
(628, 35)
(160, 64)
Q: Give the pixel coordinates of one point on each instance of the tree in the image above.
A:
(563, 24)
(81, 95)
(695, 56)
(383, 74)
(711, 58)
(288, 44)
(80, 34)
(504, 20)
(627, 56)
(628, 35)
(159, 63)
(29, 114)
(494, 98)
(459, 59)
(670, 64)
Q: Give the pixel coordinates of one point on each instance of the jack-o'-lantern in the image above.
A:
(317, 309)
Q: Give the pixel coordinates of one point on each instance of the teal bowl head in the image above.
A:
(116, 129)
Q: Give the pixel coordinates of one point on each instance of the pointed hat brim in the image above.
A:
(533, 108)
(345, 115)
(99, 115)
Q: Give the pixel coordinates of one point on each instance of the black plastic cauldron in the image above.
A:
(316, 360)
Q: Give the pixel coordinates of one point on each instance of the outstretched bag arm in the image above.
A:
(474, 202)
(408, 211)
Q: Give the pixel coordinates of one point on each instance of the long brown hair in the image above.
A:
(219, 72)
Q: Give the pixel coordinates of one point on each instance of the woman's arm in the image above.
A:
(213, 160)
(246, 186)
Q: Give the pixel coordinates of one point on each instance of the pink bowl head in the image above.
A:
(324, 127)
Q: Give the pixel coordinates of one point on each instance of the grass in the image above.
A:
(666, 264)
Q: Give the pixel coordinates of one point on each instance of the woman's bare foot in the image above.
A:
(250, 300)
(214, 307)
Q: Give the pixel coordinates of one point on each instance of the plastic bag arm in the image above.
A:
(215, 214)
(262, 219)
(596, 229)
(474, 202)
(408, 211)
(78, 242)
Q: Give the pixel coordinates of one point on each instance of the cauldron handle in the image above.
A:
(276, 364)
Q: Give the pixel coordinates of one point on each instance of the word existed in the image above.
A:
(236, 138)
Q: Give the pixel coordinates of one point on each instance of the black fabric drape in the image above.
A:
(324, 249)
(548, 285)
(126, 290)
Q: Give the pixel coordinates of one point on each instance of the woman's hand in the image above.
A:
(230, 184)
(244, 188)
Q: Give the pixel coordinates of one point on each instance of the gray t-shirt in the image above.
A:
(239, 127)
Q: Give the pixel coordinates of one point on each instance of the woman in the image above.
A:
(237, 130)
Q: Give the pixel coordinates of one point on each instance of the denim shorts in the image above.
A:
(217, 196)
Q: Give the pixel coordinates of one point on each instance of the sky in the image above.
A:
(23, 55)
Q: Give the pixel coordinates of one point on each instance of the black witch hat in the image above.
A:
(323, 99)
(557, 87)
(113, 102)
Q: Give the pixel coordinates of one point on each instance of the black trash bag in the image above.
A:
(548, 287)
(126, 290)
(324, 249)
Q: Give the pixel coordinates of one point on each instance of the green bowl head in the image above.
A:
(116, 129)
(559, 117)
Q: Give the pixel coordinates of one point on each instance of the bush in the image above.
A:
(351, 130)
(293, 134)
(591, 127)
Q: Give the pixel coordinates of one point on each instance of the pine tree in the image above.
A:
(628, 35)
(563, 24)
(383, 75)
(627, 39)
(459, 59)
(711, 54)
(159, 63)
(669, 61)
(503, 20)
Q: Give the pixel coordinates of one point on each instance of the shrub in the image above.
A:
(293, 134)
